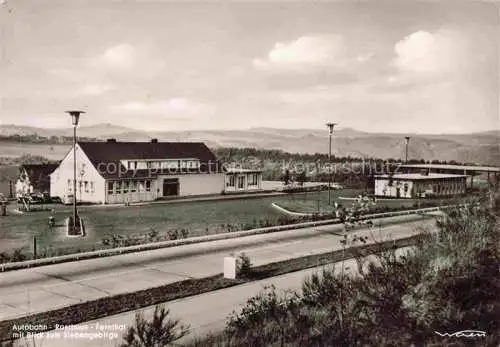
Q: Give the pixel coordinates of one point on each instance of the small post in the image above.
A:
(319, 196)
(230, 267)
(330, 133)
(407, 140)
(34, 247)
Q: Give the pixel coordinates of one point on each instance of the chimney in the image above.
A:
(154, 140)
(111, 140)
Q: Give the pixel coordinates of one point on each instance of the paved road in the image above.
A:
(43, 288)
(203, 313)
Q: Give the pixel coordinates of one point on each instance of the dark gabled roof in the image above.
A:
(104, 153)
(38, 175)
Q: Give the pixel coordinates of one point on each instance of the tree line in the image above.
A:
(49, 140)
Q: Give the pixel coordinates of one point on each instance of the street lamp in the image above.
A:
(75, 116)
(330, 130)
(407, 140)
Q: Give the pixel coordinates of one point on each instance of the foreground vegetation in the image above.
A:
(448, 283)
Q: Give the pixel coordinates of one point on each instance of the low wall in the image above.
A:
(191, 240)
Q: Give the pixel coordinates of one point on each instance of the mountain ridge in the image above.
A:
(482, 147)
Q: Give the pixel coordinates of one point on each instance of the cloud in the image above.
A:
(310, 61)
(170, 106)
(120, 56)
(363, 58)
(304, 51)
(423, 52)
(96, 89)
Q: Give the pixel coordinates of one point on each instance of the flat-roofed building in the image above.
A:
(414, 185)
(242, 180)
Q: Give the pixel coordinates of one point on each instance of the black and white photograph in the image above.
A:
(254, 173)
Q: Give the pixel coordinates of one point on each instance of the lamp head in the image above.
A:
(330, 126)
(407, 139)
(75, 116)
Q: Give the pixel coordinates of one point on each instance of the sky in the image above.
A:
(377, 66)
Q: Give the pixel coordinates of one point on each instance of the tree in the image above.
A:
(158, 332)
(286, 177)
(301, 178)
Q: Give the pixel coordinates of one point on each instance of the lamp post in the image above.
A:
(407, 140)
(330, 131)
(75, 116)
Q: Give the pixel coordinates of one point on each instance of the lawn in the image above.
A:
(200, 218)
(308, 203)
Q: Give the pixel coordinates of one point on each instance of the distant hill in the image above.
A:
(481, 148)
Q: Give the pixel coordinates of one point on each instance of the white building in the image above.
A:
(413, 185)
(121, 172)
(241, 180)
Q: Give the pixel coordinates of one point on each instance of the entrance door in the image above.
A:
(171, 187)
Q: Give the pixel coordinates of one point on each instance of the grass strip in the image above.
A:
(111, 305)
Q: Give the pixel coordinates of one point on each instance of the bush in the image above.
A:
(184, 233)
(153, 235)
(159, 331)
(173, 234)
(4, 257)
(18, 255)
(244, 266)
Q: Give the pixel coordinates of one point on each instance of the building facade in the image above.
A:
(242, 180)
(114, 172)
(420, 185)
(125, 172)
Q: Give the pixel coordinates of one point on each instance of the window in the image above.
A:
(231, 182)
(140, 186)
(125, 187)
(133, 187)
(69, 183)
(241, 182)
(193, 164)
(92, 189)
(110, 187)
(252, 180)
(86, 186)
(148, 186)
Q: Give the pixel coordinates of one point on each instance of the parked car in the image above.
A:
(56, 200)
(68, 199)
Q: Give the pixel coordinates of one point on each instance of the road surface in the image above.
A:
(203, 313)
(48, 287)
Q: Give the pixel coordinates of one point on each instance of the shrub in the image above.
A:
(160, 331)
(18, 255)
(4, 257)
(153, 235)
(173, 234)
(244, 266)
(184, 233)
